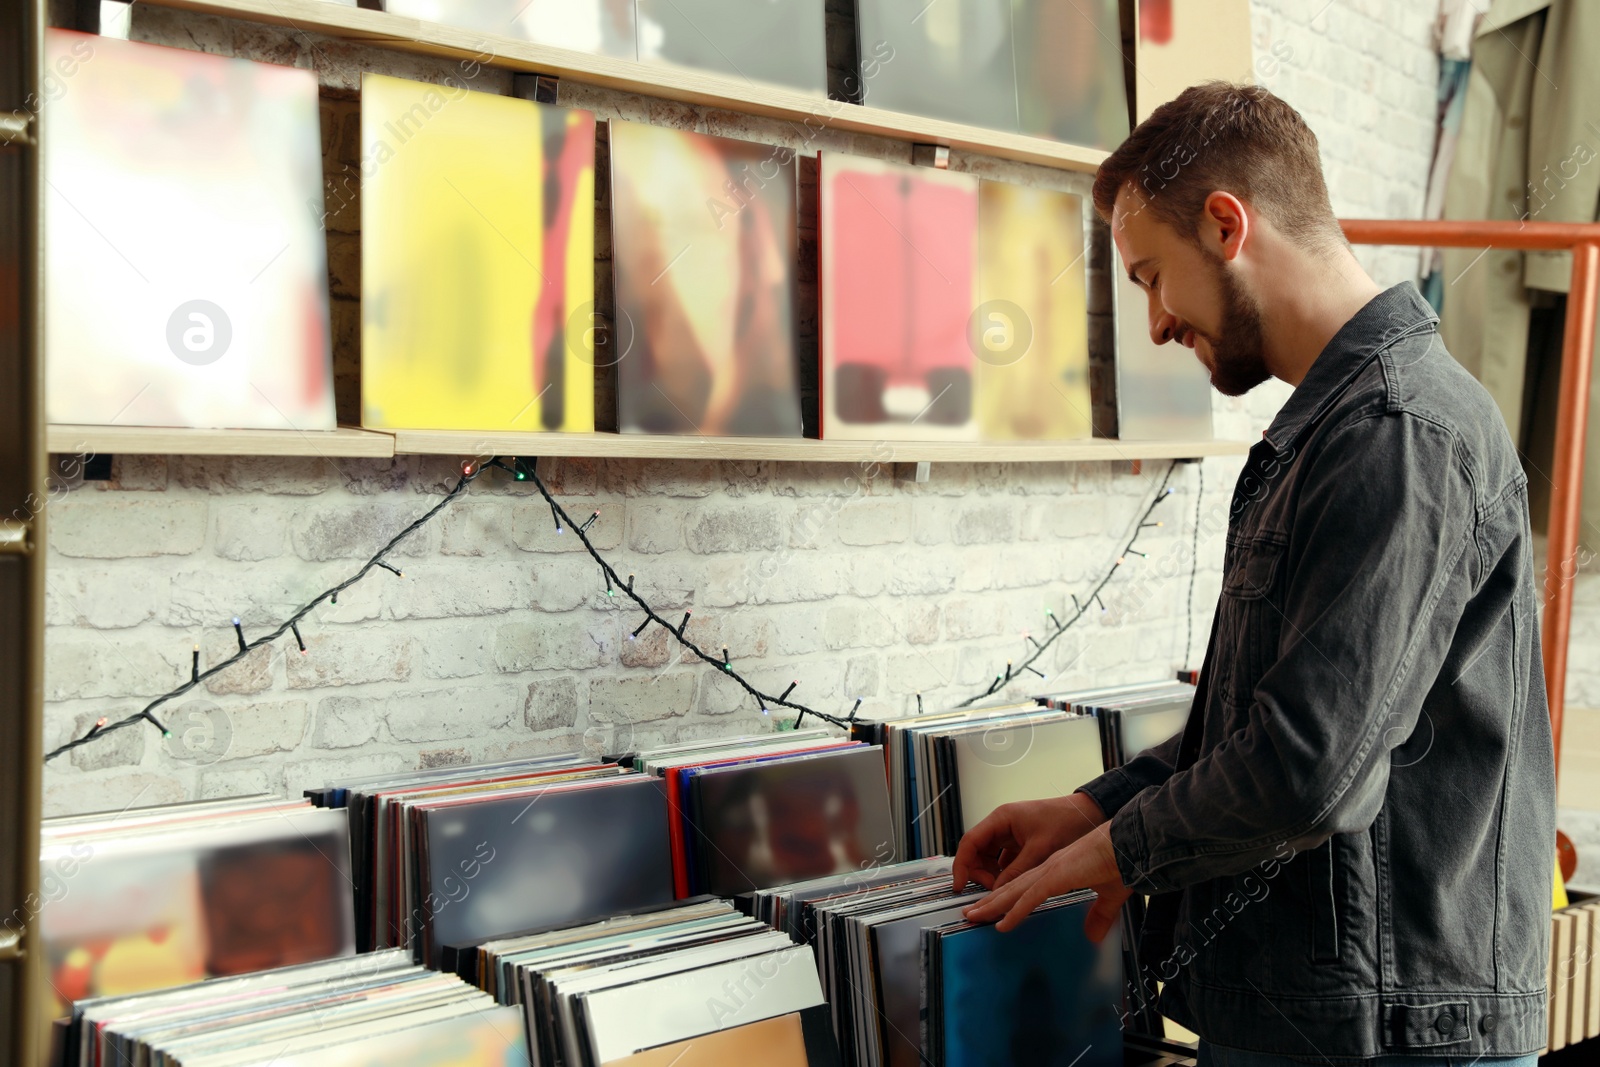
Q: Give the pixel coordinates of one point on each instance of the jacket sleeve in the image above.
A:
(1375, 584)
(1119, 785)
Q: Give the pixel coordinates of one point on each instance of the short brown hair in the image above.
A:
(1237, 138)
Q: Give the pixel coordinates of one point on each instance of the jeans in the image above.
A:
(1218, 1056)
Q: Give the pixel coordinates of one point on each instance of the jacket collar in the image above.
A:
(1397, 312)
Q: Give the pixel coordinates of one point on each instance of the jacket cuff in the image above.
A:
(1111, 791)
(1133, 850)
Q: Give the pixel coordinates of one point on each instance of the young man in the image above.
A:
(1352, 842)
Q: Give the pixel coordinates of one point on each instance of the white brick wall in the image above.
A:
(499, 641)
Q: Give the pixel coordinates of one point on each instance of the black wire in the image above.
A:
(1063, 627)
(766, 701)
(1194, 561)
(146, 714)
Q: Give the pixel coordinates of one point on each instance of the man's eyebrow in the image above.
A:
(1135, 265)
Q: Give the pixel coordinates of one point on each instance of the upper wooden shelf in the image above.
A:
(157, 440)
(351, 441)
(654, 446)
(651, 79)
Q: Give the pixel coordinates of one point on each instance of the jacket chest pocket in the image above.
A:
(1253, 618)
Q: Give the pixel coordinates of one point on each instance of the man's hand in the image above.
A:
(1088, 863)
(1015, 838)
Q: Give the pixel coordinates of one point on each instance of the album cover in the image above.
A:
(899, 287)
(766, 823)
(482, 1037)
(477, 239)
(1025, 760)
(951, 60)
(1070, 82)
(776, 41)
(561, 854)
(1163, 391)
(1147, 727)
(1030, 331)
(1042, 994)
(704, 249)
(185, 265)
(600, 27)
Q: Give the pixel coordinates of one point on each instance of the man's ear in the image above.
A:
(1225, 224)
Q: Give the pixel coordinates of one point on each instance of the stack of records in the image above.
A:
(910, 983)
(693, 984)
(754, 812)
(452, 856)
(148, 898)
(948, 770)
(372, 1010)
(1132, 717)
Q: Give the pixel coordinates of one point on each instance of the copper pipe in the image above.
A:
(1566, 497)
(1453, 233)
(1572, 412)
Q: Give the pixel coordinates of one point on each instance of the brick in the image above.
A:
(561, 584)
(274, 475)
(254, 673)
(445, 714)
(533, 528)
(848, 625)
(328, 531)
(259, 729)
(861, 676)
(655, 526)
(986, 522)
(931, 522)
(73, 794)
(350, 658)
(671, 477)
(139, 473)
(94, 665)
(321, 773)
(553, 703)
(744, 527)
(250, 532)
(121, 748)
(875, 522)
(456, 650)
(125, 528)
(652, 648)
(239, 782)
(476, 528)
(968, 618)
(915, 576)
(641, 698)
(919, 671)
(551, 642)
(346, 721)
(103, 598)
(921, 623)
(481, 589)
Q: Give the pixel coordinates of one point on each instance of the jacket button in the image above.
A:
(1445, 1024)
(1487, 1024)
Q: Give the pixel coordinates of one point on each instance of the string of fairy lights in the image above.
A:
(524, 469)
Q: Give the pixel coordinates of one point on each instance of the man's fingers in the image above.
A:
(997, 903)
(1101, 918)
(980, 849)
(1036, 893)
(1025, 861)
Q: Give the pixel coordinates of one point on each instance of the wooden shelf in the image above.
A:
(651, 79)
(157, 440)
(352, 441)
(651, 446)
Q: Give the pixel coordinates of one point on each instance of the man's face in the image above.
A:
(1196, 297)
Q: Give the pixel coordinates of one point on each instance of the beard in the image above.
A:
(1238, 353)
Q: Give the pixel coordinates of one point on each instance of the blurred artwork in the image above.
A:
(1163, 391)
(951, 59)
(599, 27)
(703, 255)
(185, 265)
(477, 238)
(775, 1042)
(1070, 83)
(477, 1036)
(767, 823)
(1043, 994)
(898, 284)
(1031, 329)
(779, 42)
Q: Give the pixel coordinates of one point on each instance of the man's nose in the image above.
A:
(1163, 325)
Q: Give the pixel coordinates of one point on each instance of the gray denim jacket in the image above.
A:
(1366, 840)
